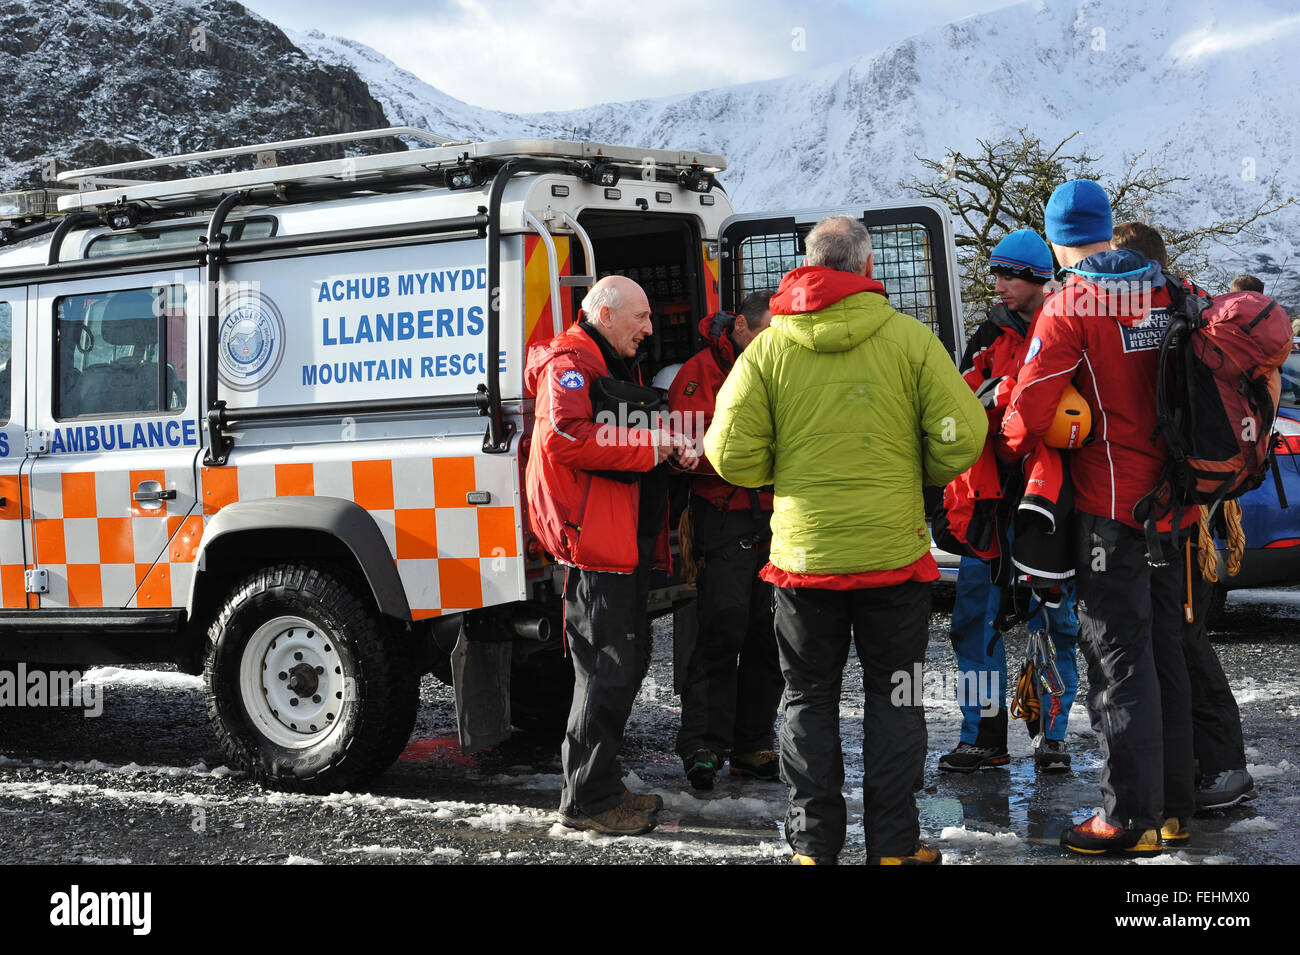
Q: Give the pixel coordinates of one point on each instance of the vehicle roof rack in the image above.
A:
(101, 186)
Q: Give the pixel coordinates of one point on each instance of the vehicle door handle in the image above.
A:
(151, 491)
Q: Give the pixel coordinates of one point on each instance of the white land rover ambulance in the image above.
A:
(271, 425)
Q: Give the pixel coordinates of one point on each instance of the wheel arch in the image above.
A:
(302, 529)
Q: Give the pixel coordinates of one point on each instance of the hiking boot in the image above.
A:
(1174, 830)
(968, 757)
(1052, 756)
(702, 768)
(622, 820)
(1098, 837)
(762, 764)
(924, 855)
(642, 802)
(1225, 789)
(801, 859)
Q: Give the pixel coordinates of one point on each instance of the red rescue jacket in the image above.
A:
(691, 398)
(1102, 331)
(581, 518)
(993, 357)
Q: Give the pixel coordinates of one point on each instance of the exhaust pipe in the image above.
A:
(536, 628)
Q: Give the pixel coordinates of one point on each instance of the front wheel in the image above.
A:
(307, 690)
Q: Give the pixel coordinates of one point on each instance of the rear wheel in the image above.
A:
(307, 689)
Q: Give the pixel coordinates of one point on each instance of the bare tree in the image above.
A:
(1005, 185)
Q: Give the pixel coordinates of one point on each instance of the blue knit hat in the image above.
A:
(1022, 255)
(1078, 214)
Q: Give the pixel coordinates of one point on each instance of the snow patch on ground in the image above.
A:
(961, 837)
(695, 849)
(1169, 858)
(446, 851)
(726, 807)
(561, 831)
(130, 769)
(382, 850)
(302, 860)
(1250, 690)
(158, 679)
(1267, 771)
(1258, 824)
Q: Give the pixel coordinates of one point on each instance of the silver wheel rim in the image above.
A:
(292, 683)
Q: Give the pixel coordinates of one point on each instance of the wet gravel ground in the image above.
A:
(145, 781)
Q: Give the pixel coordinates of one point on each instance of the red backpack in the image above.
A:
(1217, 392)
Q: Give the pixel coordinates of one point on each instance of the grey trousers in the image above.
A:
(608, 637)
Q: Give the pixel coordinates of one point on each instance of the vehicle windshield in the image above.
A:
(1291, 379)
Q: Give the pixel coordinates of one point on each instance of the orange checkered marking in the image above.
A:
(294, 480)
(155, 585)
(459, 583)
(372, 484)
(9, 491)
(220, 487)
(79, 494)
(184, 541)
(116, 540)
(49, 541)
(453, 478)
(496, 532)
(417, 532)
(136, 479)
(83, 586)
(13, 586)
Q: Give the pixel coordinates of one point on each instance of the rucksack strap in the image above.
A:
(1261, 316)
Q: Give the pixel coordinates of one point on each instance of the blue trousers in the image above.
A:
(982, 654)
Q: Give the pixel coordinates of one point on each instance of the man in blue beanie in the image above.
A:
(1021, 265)
(1102, 332)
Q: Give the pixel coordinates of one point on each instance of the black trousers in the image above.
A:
(1139, 696)
(729, 708)
(609, 639)
(890, 628)
(1216, 721)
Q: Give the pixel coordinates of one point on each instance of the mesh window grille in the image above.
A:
(904, 263)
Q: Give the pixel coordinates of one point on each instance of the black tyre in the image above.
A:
(307, 689)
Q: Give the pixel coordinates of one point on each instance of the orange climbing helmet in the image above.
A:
(1072, 423)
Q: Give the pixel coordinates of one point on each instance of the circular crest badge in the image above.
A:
(250, 343)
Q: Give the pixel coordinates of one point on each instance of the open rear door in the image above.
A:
(915, 259)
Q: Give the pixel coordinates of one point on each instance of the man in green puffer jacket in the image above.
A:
(848, 408)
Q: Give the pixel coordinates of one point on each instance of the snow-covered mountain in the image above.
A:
(87, 82)
(1208, 86)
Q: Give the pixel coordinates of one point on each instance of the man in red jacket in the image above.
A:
(727, 711)
(585, 484)
(1103, 331)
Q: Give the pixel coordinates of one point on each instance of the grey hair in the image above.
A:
(840, 242)
(600, 296)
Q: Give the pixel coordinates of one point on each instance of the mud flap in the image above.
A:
(686, 632)
(480, 673)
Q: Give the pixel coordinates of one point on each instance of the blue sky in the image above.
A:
(562, 54)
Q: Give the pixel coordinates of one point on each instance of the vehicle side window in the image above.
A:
(120, 352)
(6, 359)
